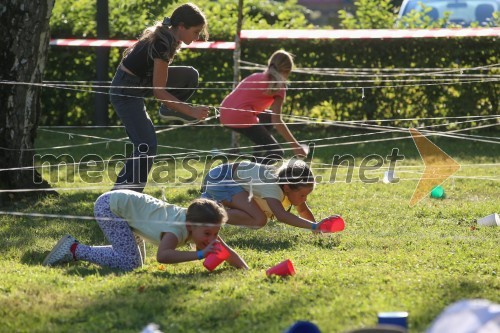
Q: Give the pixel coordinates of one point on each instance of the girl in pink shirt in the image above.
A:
(244, 110)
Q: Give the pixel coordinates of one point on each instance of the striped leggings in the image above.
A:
(123, 252)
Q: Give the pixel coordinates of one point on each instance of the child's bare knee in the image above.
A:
(260, 221)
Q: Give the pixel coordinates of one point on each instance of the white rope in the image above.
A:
(381, 129)
(313, 120)
(352, 124)
(177, 185)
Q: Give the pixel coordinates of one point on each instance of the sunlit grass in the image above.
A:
(389, 257)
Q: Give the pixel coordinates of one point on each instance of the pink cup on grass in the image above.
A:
(215, 259)
(284, 268)
(332, 224)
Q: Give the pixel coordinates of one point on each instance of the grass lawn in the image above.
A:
(390, 257)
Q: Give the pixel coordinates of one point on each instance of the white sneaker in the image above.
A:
(141, 244)
(61, 252)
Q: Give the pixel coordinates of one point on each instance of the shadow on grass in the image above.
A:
(263, 244)
(79, 268)
(86, 269)
(328, 242)
(453, 290)
(70, 214)
(195, 274)
(179, 303)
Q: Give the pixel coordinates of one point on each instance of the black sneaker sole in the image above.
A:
(186, 121)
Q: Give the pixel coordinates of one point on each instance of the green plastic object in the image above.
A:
(438, 193)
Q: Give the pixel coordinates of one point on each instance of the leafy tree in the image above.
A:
(369, 15)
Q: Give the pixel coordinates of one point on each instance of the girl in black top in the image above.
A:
(145, 71)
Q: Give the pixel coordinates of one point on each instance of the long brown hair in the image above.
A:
(188, 15)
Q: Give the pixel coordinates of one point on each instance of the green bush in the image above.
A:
(380, 98)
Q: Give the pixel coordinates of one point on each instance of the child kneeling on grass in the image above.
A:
(123, 214)
(256, 192)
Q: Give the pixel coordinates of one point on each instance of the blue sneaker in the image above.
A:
(169, 114)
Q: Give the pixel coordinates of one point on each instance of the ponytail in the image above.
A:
(189, 15)
(279, 62)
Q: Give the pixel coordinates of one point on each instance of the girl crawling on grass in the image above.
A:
(126, 217)
(255, 192)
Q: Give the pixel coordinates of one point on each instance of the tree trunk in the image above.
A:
(24, 31)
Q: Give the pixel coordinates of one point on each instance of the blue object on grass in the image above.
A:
(303, 327)
(393, 318)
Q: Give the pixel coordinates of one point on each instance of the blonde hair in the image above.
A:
(205, 211)
(279, 62)
(188, 15)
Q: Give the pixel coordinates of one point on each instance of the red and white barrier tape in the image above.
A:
(127, 43)
(303, 34)
(369, 33)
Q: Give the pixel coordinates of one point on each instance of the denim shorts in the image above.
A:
(219, 185)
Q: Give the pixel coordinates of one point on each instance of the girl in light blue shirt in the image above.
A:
(124, 215)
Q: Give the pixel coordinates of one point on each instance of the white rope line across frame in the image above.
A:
(240, 110)
(453, 81)
(383, 129)
(319, 71)
(375, 127)
(107, 84)
(278, 226)
(323, 122)
(336, 121)
(341, 72)
(191, 151)
(434, 82)
(92, 218)
(352, 124)
(107, 187)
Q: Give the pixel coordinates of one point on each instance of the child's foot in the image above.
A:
(168, 114)
(61, 253)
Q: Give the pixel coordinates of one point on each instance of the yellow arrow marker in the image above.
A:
(438, 166)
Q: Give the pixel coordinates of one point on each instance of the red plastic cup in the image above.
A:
(284, 268)
(215, 259)
(332, 224)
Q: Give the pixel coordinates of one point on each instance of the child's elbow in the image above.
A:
(163, 258)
